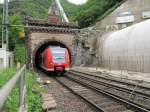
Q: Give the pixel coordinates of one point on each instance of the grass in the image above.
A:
(110, 11)
(6, 75)
(33, 97)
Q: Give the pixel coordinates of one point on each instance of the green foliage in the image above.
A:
(13, 101)
(33, 8)
(33, 97)
(109, 11)
(85, 14)
(92, 10)
(6, 75)
(70, 9)
(20, 53)
(14, 31)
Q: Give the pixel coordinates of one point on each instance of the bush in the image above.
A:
(20, 53)
(6, 75)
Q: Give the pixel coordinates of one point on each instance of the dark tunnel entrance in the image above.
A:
(42, 47)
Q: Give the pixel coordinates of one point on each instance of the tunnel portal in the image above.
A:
(41, 33)
(42, 48)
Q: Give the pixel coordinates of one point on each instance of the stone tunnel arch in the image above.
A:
(43, 32)
(43, 45)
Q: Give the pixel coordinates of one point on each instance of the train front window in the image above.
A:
(59, 57)
(58, 54)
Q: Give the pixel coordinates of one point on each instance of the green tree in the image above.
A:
(20, 53)
(14, 31)
(92, 10)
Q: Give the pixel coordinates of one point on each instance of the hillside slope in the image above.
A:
(86, 14)
(93, 10)
(38, 8)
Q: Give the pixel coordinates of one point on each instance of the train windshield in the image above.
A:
(58, 54)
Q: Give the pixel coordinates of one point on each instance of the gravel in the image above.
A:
(66, 101)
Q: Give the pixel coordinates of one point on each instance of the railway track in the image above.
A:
(117, 81)
(124, 86)
(100, 100)
(130, 88)
(132, 95)
(97, 101)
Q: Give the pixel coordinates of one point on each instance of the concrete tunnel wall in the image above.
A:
(127, 49)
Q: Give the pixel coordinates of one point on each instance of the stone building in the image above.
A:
(129, 13)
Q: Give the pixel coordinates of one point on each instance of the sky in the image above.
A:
(72, 1)
(77, 1)
(1, 1)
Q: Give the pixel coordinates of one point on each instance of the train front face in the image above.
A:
(60, 58)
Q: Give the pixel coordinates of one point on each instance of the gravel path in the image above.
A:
(66, 101)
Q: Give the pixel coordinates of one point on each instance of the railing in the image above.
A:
(7, 88)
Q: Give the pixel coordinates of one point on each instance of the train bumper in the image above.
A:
(59, 68)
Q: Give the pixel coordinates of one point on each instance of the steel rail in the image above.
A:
(115, 80)
(128, 102)
(113, 85)
(8, 87)
(95, 107)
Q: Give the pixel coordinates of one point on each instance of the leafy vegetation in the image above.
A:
(6, 75)
(92, 10)
(20, 53)
(13, 101)
(71, 9)
(34, 99)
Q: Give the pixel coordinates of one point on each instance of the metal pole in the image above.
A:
(5, 24)
(62, 11)
(22, 92)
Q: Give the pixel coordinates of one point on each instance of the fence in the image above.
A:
(7, 88)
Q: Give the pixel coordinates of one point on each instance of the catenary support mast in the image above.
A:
(5, 25)
(62, 11)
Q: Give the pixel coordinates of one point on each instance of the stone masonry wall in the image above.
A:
(37, 39)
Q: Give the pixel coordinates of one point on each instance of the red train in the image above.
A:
(55, 59)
